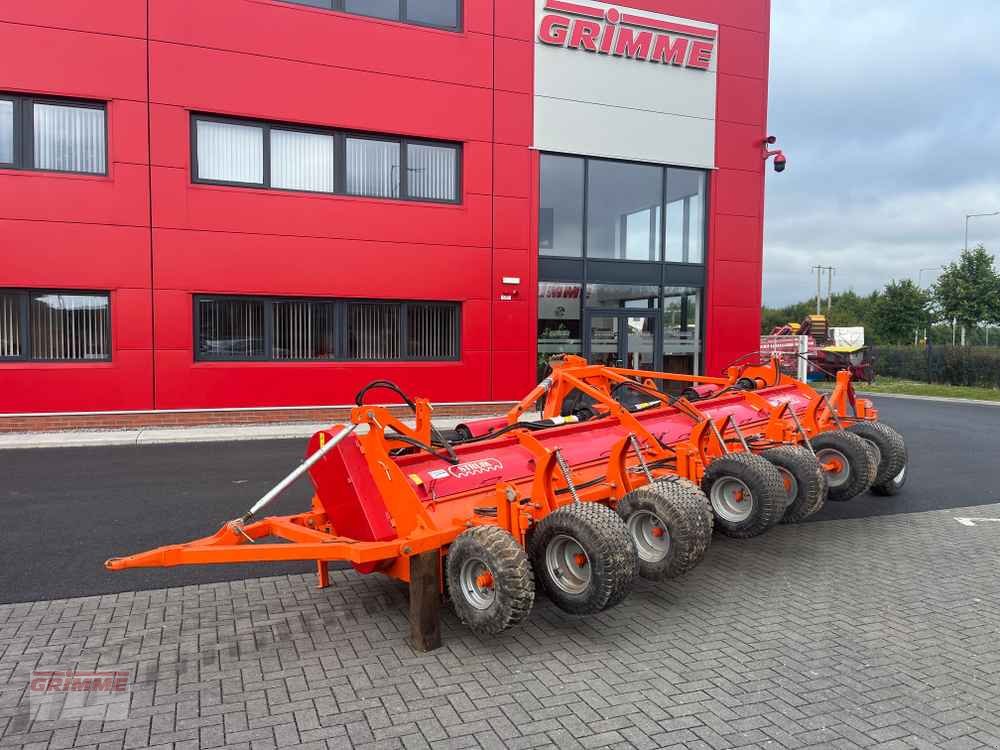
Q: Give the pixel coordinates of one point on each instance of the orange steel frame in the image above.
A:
(634, 460)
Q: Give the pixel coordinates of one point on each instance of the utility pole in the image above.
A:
(819, 288)
(830, 270)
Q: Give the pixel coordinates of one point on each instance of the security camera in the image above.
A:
(771, 139)
(780, 162)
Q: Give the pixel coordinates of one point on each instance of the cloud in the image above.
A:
(890, 118)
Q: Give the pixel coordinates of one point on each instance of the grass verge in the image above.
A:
(915, 388)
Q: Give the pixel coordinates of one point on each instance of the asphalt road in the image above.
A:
(63, 512)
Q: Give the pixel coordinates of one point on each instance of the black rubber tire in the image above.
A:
(767, 493)
(892, 485)
(513, 581)
(861, 464)
(891, 449)
(612, 563)
(680, 511)
(810, 481)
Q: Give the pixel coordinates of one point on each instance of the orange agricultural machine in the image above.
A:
(603, 487)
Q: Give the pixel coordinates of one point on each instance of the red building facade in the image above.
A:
(146, 242)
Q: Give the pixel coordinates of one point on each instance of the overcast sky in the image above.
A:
(889, 113)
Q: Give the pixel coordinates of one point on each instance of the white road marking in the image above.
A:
(973, 521)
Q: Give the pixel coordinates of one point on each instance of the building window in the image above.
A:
(289, 157)
(53, 135)
(442, 14)
(559, 322)
(560, 217)
(373, 168)
(228, 152)
(252, 328)
(54, 326)
(623, 210)
(685, 216)
(623, 215)
(623, 296)
(682, 329)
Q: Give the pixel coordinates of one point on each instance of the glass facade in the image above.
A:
(621, 263)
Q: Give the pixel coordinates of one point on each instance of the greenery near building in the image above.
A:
(967, 292)
(901, 386)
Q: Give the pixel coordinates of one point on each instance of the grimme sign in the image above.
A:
(626, 34)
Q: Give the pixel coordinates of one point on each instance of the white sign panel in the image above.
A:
(619, 82)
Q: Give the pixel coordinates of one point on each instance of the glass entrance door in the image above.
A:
(625, 338)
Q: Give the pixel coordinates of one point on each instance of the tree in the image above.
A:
(969, 289)
(898, 311)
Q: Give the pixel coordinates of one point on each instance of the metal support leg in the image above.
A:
(322, 574)
(425, 600)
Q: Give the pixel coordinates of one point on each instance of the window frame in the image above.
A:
(662, 232)
(339, 6)
(340, 137)
(24, 296)
(24, 131)
(340, 319)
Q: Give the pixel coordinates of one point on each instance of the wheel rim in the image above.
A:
(650, 534)
(791, 483)
(840, 472)
(898, 479)
(478, 586)
(732, 500)
(568, 564)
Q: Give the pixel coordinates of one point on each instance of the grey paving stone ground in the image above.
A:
(857, 633)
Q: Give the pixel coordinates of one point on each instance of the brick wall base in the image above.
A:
(146, 419)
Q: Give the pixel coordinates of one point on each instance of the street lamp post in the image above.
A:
(974, 216)
(920, 276)
(966, 246)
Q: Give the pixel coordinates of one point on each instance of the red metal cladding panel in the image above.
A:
(173, 311)
(57, 255)
(254, 86)
(511, 217)
(478, 16)
(170, 136)
(511, 323)
(514, 65)
(512, 277)
(297, 32)
(513, 374)
(132, 320)
(181, 205)
(512, 120)
(69, 63)
(741, 99)
(476, 325)
(743, 52)
(512, 171)
(738, 192)
(515, 20)
(218, 262)
(124, 383)
(734, 331)
(737, 238)
(737, 283)
(738, 146)
(111, 17)
(205, 385)
(477, 167)
(128, 136)
(118, 198)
